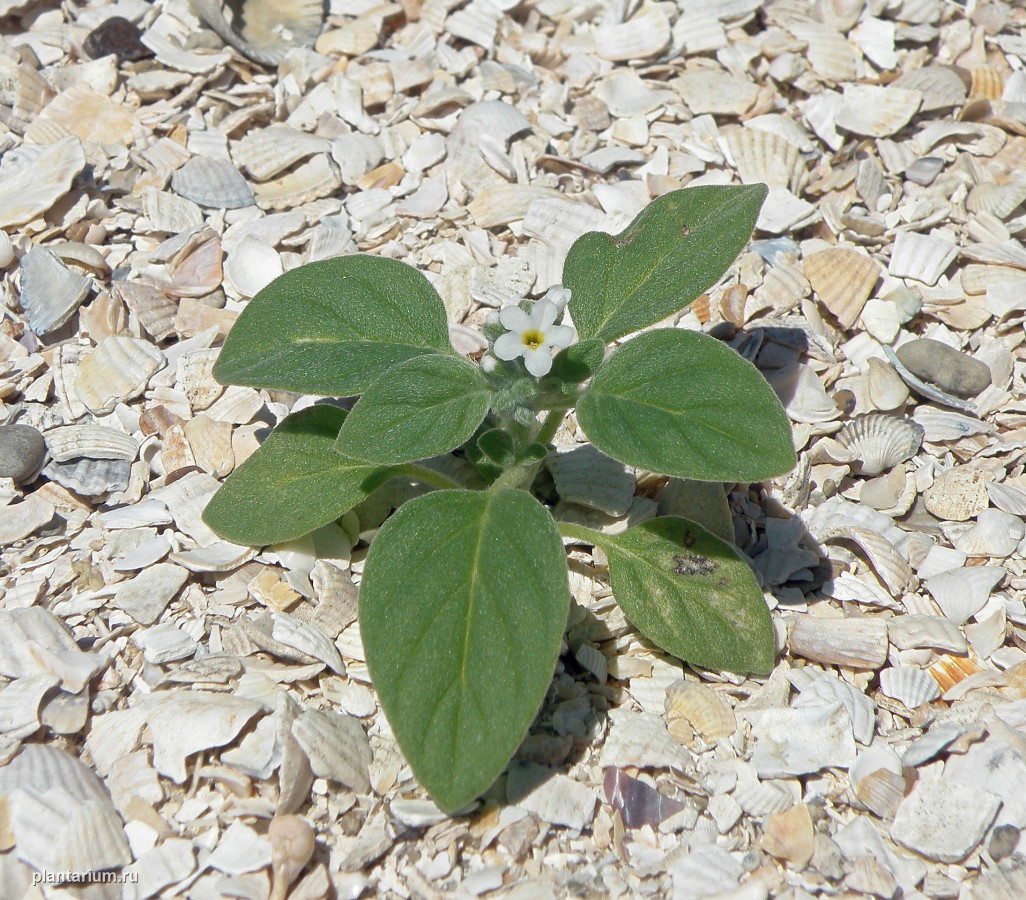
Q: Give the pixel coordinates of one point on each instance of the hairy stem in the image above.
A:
(551, 424)
(428, 476)
(578, 532)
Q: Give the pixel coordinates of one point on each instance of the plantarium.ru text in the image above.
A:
(465, 594)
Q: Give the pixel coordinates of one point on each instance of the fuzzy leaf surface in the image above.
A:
(676, 248)
(689, 592)
(424, 407)
(333, 327)
(462, 610)
(682, 403)
(293, 483)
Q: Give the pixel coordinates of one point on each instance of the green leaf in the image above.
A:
(497, 445)
(690, 593)
(333, 327)
(676, 248)
(294, 482)
(681, 403)
(426, 406)
(462, 610)
(576, 363)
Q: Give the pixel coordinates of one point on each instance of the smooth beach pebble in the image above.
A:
(947, 368)
(116, 35)
(22, 449)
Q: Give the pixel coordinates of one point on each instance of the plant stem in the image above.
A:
(516, 477)
(551, 425)
(428, 476)
(578, 532)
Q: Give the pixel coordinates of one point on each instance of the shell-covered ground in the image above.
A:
(186, 718)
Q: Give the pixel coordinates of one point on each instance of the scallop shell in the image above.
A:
(987, 83)
(762, 798)
(716, 92)
(858, 643)
(875, 111)
(213, 183)
(958, 494)
(50, 292)
(118, 369)
(961, 593)
(270, 151)
(760, 156)
(587, 476)
(887, 562)
(643, 35)
(92, 116)
(336, 746)
(881, 441)
(168, 213)
(843, 278)
(61, 815)
(914, 632)
(998, 200)
(909, 685)
(264, 30)
(476, 22)
(922, 257)
(706, 710)
(90, 477)
(826, 689)
(41, 183)
(995, 534)
(317, 177)
(829, 53)
(951, 670)
(211, 444)
(93, 441)
(940, 86)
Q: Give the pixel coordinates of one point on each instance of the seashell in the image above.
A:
(50, 292)
(995, 534)
(194, 379)
(19, 520)
(975, 138)
(317, 177)
(923, 257)
(925, 748)
(704, 709)
(760, 156)
(876, 777)
(876, 111)
(829, 53)
(998, 200)
(92, 116)
(477, 22)
(292, 844)
(987, 83)
(805, 397)
(716, 92)
(218, 557)
(37, 643)
(886, 389)
(116, 370)
(909, 685)
(210, 443)
(252, 264)
(93, 441)
(952, 670)
(170, 862)
(798, 741)
(843, 278)
(940, 86)
(41, 183)
(641, 739)
(154, 309)
(214, 183)
(308, 638)
(789, 836)
(923, 388)
(942, 425)
(1009, 498)
(887, 562)
(336, 746)
(637, 803)
(199, 273)
(556, 799)
(913, 632)
(164, 643)
(90, 477)
(60, 815)
(593, 660)
(586, 476)
(146, 596)
(963, 592)
(269, 151)
(145, 555)
(353, 39)
(645, 34)
(958, 494)
(857, 643)
(762, 798)
(829, 689)
(879, 441)
(262, 30)
(847, 588)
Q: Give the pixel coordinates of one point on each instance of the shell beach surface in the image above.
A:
(196, 718)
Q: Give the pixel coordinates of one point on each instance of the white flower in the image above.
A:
(532, 336)
(488, 363)
(558, 295)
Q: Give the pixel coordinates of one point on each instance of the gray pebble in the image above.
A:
(1003, 841)
(22, 449)
(943, 366)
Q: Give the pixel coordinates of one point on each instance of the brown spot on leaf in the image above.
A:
(692, 564)
(626, 240)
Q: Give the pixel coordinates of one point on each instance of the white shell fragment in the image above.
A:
(909, 685)
(336, 746)
(878, 442)
(587, 476)
(117, 370)
(553, 798)
(961, 593)
(943, 820)
(50, 292)
(34, 642)
(806, 739)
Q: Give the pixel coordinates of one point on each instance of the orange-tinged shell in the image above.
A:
(843, 278)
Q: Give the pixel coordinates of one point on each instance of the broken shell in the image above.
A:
(961, 593)
(858, 643)
(292, 845)
(887, 562)
(643, 35)
(995, 534)
(829, 52)
(886, 389)
(762, 798)
(706, 710)
(923, 257)
(37, 642)
(716, 92)
(958, 494)
(90, 477)
(881, 441)
(940, 86)
(587, 476)
(93, 441)
(843, 278)
(270, 151)
(50, 292)
(909, 685)
(912, 632)
(265, 30)
(760, 156)
(40, 184)
(875, 111)
(951, 670)
(317, 177)
(118, 369)
(214, 183)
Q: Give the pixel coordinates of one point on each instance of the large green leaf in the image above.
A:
(294, 482)
(677, 247)
(689, 592)
(462, 610)
(333, 327)
(682, 403)
(424, 407)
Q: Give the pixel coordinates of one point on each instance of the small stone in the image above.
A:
(943, 366)
(22, 449)
(118, 36)
(1003, 841)
(944, 820)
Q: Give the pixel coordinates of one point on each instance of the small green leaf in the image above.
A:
(426, 406)
(497, 445)
(681, 403)
(690, 593)
(294, 482)
(676, 248)
(333, 327)
(576, 363)
(462, 610)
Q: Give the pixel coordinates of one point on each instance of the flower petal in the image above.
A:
(543, 314)
(559, 335)
(514, 318)
(509, 346)
(559, 295)
(538, 361)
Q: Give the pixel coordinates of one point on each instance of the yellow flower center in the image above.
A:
(533, 338)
